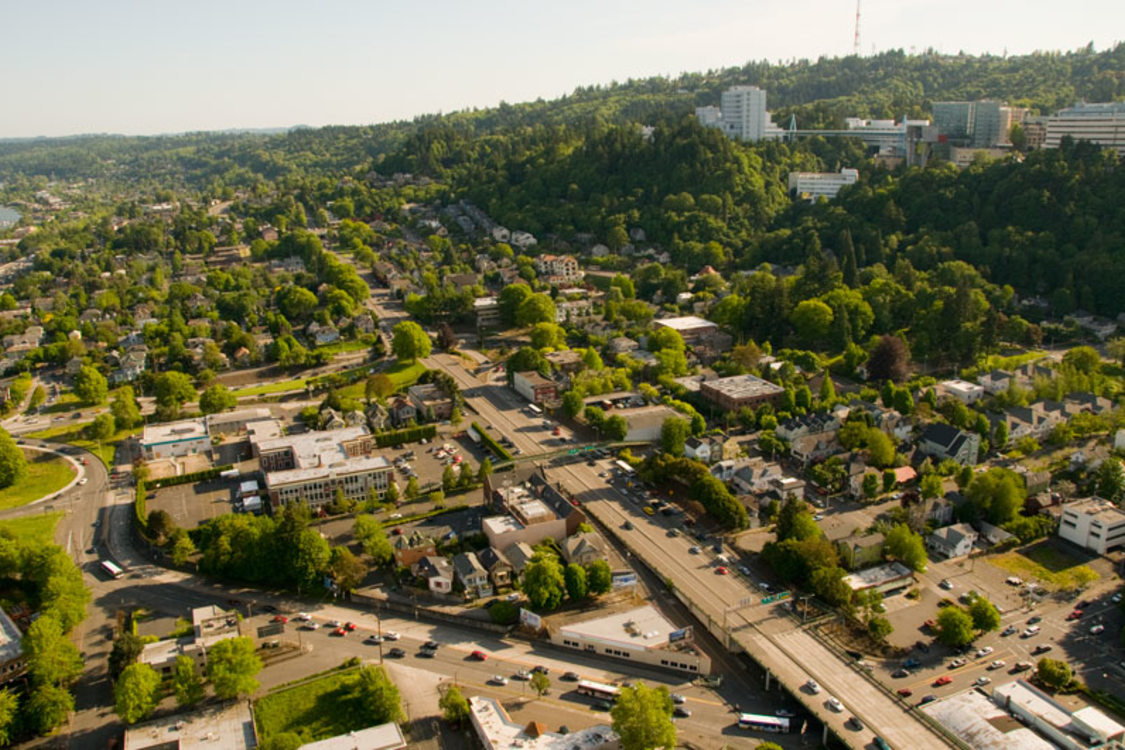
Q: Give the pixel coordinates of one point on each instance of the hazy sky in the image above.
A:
(78, 66)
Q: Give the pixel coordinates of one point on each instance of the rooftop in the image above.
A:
(983, 725)
(1081, 726)
(229, 726)
(242, 415)
(342, 467)
(499, 731)
(1097, 509)
(643, 627)
(171, 432)
(685, 323)
(314, 448)
(742, 386)
(534, 378)
(877, 576)
(381, 737)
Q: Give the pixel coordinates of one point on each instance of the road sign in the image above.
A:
(768, 599)
(784, 595)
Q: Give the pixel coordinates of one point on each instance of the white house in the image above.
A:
(963, 390)
(952, 541)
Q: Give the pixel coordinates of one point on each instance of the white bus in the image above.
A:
(626, 469)
(759, 723)
(534, 410)
(597, 690)
(111, 568)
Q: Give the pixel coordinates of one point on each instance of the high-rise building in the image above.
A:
(980, 124)
(1103, 124)
(741, 115)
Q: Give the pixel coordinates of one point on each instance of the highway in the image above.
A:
(790, 653)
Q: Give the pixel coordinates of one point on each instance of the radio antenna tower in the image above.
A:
(855, 43)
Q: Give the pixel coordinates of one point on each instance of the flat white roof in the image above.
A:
(229, 726)
(174, 432)
(685, 323)
(250, 485)
(381, 737)
(982, 725)
(877, 576)
(497, 730)
(643, 627)
(275, 479)
(500, 524)
(318, 448)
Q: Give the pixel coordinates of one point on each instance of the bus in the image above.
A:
(625, 469)
(597, 690)
(229, 474)
(534, 410)
(759, 723)
(112, 569)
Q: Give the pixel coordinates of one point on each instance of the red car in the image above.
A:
(396, 531)
(279, 618)
(1076, 614)
(929, 624)
(721, 570)
(943, 680)
(339, 632)
(349, 626)
(905, 692)
(479, 655)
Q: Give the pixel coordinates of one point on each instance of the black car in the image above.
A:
(540, 669)
(426, 653)
(396, 652)
(681, 712)
(571, 677)
(431, 645)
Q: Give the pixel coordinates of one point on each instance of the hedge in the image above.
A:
(195, 476)
(405, 435)
(498, 450)
(140, 506)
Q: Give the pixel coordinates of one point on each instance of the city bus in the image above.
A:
(534, 410)
(626, 469)
(111, 568)
(597, 690)
(758, 723)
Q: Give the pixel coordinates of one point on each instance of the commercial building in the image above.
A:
(172, 439)
(979, 124)
(1084, 728)
(381, 737)
(645, 422)
(529, 520)
(210, 625)
(737, 391)
(813, 185)
(690, 327)
(234, 422)
(884, 578)
(972, 717)
(534, 387)
(742, 115)
(496, 731)
(487, 310)
(431, 401)
(640, 635)
(1094, 523)
(1103, 124)
(312, 466)
(229, 726)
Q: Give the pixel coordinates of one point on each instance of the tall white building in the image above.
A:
(1096, 524)
(741, 115)
(1103, 124)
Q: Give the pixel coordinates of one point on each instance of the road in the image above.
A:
(791, 654)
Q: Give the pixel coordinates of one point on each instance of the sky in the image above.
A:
(114, 66)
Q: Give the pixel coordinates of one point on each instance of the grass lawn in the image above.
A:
(34, 531)
(344, 346)
(46, 473)
(315, 710)
(296, 384)
(1054, 569)
(76, 435)
(404, 375)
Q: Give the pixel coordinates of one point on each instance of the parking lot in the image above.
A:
(192, 504)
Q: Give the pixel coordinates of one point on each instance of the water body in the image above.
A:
(8, 216)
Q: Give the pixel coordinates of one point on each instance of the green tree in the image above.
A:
(182, 547)
(985, 616)
(448, 479)
(454, 707)
(373, 538)
(879, 628)
(136, 693)
(13, 462)
(412, 488)
(1054, 673)
(217, 398)
(391, 494)
(485, 469)
(187, 685)
(510, 299)
(642, 718)
(673, 435)
(126, 412)
(346, 569)
(1085, 359)
(379, 696)
(172, 390)
(996, 495)
(616, 428)
(309, 558)
(126, 648)
(888, 480)
(90, 385)
(410, 342)
(103, 427)
(1111, 480)
(599, 578)
(930, 486)
(547, 335)
(38, 396)
(575, 578)
(538, 308)
(232, 667)
(907, 547)
(540, 683)
(51, 657)
(811, 319)
(9, 705)
(870, 485)
(49, 706)
(954, 626)
(544, 582)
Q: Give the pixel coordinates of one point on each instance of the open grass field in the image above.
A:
(46, 473)
(297, 384)
(315, 710)
(403, 375)
(1054, 569)
(76, 435)
(36, 530)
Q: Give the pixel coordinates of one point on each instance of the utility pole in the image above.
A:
(855, 42)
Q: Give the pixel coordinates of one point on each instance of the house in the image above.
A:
(944, 441)
(409, 549)
(378, 417)
(130, 366)
(623, 345)
(402, 411)
(583, 549)
(330, 419)
(322, 334)
(816, 423)
(534, 387)
(755, 476)
(996, 381)
(698, 449)
(952, 541)
(430, 401)
(962, 390)
(437, 571)
(242, 357)
(783, 487)
(519, 555)
(364, 323)
(500, 571)
(567, 360)
(74, 366)
(812, 448)
(860, 550)
(472, 575)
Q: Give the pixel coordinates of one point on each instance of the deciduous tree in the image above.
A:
(232, 667)
(187, 685)
(954, 626)
(642, 718)
(90, 385)
(544, 582)
(410, 342)
(136, 693)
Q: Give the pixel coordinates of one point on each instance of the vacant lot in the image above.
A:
(46, 474)
(315, 710)
(1054, 569)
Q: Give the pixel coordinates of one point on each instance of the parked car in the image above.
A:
(350, 626)
(678, 698)
(431, 645)
(540, 669)
(982, 680)
(943, 680)
(946, 584)
(1042, 648)
(855, 723)
(1075, 615)
(478, 656)
(956, 663)
(1034, 619)
(391, 635)
(911, 664)
(981, 652)
(1022, 666)
(339, 632)
(1097, 629)
(905, 692)
(998, 664)
(498, 679)
(279, 618)
(901, 673)
(1030, 631)
(523, 674)
(721, 570)
(812, 687)
(834, 704)
(927, 699)
(571, 677)
(1008, 630)
(373, 638)
(681, 712)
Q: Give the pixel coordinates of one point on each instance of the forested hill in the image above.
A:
(820, 93)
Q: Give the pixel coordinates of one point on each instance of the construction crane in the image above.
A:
(855, 43)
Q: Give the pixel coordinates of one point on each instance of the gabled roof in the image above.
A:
(466, 564)
(491, 558)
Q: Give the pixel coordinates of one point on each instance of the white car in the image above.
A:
(391, 635)
(310, 625)
(303, 617)
(813, 687)
(498, 679)
(984, 651)
(1097, 629)
(834, 704)
(982, 680)
(1030, 631)
(998, 664)
(83, 480)
(946, 584)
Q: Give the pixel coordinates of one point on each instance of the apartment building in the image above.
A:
(1094, 523)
